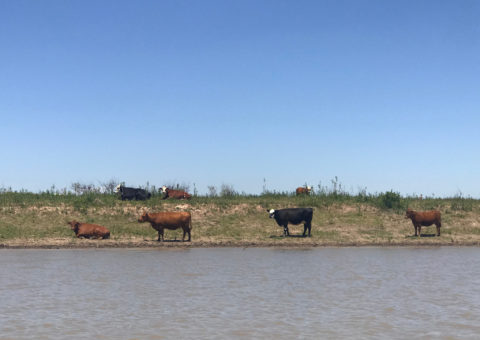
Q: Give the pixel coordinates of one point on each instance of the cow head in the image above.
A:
(309, 188)
(409, 213)
(271, 212)
(74, 225)
(164, 189)
(118, 188)
(144, 217)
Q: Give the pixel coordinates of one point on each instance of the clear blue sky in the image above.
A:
(383, 94)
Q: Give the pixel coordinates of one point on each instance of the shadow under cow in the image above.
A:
(276, 237)
(422, 235)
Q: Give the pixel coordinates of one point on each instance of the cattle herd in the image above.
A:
(138, 194)
(176, 220)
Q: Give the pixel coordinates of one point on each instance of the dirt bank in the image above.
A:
(243, 222)
(68, 243)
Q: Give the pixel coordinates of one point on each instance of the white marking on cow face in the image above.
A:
(117, 188)
(309, 188)
(272, 213)
(164, 189)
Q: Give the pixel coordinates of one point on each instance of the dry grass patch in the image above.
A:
(217, 223)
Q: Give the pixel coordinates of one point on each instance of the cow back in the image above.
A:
(294, 215)
(92, 230)
(178, 194)
(180, 219)
(134, 193)
(430, 216)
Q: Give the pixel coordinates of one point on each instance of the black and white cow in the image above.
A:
(293, 216)
(132, 193)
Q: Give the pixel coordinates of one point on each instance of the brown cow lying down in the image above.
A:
(169, 220)
(425, 218)
(303, 191)
(178, 194)
(89, 230)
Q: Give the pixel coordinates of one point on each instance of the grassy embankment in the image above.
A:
(39, 220)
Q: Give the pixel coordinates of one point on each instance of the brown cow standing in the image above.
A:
(303, 191)
(425, 218)
(169, 220)
(178, 194)
(89, 230)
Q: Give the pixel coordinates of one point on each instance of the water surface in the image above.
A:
(240, 293)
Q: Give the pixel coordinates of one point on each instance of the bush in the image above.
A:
(227, 191)
(390, 200)
(463, 204)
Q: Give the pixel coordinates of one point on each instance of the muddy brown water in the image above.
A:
(218, 293)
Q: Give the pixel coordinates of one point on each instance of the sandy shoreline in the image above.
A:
(127, 244)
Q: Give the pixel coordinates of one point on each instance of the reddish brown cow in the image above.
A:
(169, 220)
(303, 191)
(89, 230)
(178, 194)
(425, 218)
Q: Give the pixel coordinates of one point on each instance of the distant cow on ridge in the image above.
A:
(89, 230)
(303, 190)
(132, 193)
(178, 194)
(293, 216)
(425, 218)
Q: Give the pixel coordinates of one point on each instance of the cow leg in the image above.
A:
(438, 228)
(160, 236)
(285, 230)
(184, 233)
(307, 226)
(419, 231)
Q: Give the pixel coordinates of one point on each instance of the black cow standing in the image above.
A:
(133, 193)
(293, 216)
